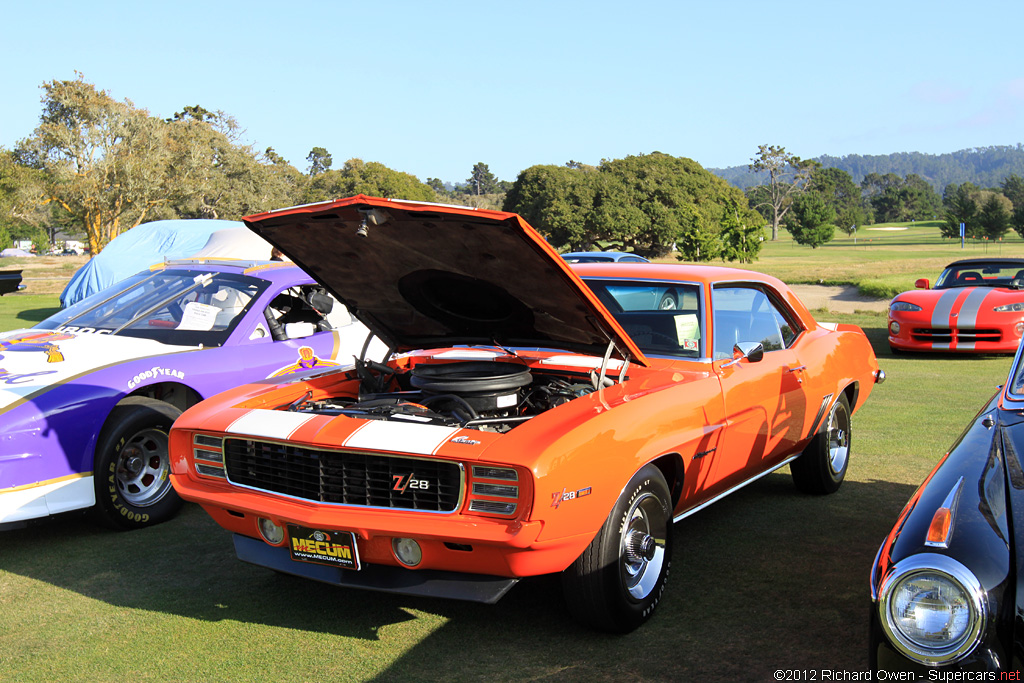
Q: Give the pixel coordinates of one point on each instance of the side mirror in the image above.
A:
(752, 351)
(922, 283)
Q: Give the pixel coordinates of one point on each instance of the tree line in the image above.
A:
(983, 166)
(98, 166)
(811, 200)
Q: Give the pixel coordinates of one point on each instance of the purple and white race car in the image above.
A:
(88, 395)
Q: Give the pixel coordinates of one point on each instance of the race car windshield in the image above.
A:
(662, 318)
(173, 307)
(991, 274)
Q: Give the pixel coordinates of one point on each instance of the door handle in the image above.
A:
(797, 369)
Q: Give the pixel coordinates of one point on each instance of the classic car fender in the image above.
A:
(974, 474)
(582, 454)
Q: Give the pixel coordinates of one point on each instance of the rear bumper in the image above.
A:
(424, 582)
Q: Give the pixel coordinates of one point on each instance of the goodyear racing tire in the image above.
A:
(132, 467)
(619, 579)
(822, 466)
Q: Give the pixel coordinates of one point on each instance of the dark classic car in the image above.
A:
(945, 585)
(10, 281)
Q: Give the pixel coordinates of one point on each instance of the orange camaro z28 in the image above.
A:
(531, 418)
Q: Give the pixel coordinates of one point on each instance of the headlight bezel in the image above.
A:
(904, 307)
(959, 577)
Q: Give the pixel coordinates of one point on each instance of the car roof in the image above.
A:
(987, 261)
(267, 270)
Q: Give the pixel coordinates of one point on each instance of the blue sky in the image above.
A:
(430, 88)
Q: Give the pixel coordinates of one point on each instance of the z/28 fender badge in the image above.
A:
(559, 496)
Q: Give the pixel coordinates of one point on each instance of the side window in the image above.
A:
(299, 312)
(745, 314)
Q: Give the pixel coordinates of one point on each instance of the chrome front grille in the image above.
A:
(344, 477)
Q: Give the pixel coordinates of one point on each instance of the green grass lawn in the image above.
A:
(766, 579)
(880, 261)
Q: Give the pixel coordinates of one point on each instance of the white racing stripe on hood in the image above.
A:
(37, 363)
(271, 424)
(421, 439)
(944, 307)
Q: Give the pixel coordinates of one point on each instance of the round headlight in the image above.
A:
(932, 609)
(272, 533)
(903, 306)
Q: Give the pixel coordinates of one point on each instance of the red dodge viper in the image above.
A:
(977, 305)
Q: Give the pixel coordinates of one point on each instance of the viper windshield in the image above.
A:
(982, 274)
(172, 306)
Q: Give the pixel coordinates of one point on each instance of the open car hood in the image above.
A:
(424, 275)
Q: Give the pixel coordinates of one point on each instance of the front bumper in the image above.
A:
(423, 582)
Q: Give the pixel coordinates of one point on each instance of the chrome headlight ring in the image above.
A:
(932, 609)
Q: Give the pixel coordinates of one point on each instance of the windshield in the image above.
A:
(982, 274)
(662, 318)
(185, 307)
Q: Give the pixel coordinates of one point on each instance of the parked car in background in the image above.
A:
(10, 281)
(87, 396)
(602, 257)
(946, 583)
(532, 418)
(976, 306)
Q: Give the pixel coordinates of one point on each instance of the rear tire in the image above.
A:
(619, 579)
(822, 466)
(131, 475)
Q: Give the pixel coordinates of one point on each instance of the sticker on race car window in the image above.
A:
(199, 317)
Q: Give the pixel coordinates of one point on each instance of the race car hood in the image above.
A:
(428, 275)
(961, 303)
(32, 361)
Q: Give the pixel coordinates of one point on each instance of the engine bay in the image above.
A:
(485, 395)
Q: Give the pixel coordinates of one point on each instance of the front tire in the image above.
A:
(131, 476)
(619, 579)
(822, 466)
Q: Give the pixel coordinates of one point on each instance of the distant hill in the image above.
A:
(983, 166)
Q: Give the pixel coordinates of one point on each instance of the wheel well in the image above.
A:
(178, 395)
(671, 465)
(852, 391)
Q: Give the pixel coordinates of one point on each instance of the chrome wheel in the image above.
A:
(822, 466)
(642, 547)
(618, 581)
(838, 437)
(142, 468)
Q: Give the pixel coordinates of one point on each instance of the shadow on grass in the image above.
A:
(766, 579)
(36, 315)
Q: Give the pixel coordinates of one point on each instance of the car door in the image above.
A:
(765, 400)
(285, 333)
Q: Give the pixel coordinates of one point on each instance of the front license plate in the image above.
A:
(333, 548)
